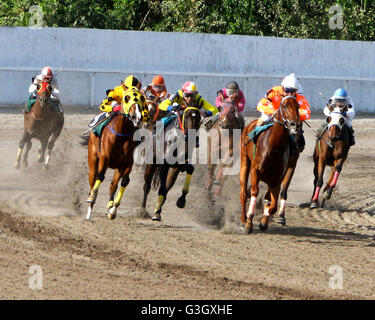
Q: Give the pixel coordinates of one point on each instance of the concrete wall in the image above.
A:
(95, 60)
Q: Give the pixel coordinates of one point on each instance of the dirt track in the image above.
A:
(195, 253)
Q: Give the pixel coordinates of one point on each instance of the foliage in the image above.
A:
(280, 18)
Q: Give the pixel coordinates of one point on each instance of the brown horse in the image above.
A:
(332, 150)
(228, 121)
(41, 122)
(176, 155)
(114, 149)
(267, 160)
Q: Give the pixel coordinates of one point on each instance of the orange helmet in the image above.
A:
(158, 81)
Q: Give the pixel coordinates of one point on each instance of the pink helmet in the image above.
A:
(189, 87)
(47, 73)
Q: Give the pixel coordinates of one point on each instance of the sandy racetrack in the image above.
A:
(195, 253)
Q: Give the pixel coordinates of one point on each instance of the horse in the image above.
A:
(267, 161)
(228, 120)
(42, 122)
(176, 131)
(332, 150)
(114, 149)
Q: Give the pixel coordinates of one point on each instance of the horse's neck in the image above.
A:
(38, 111)
(278, 133)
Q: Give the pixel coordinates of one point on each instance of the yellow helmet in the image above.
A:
(131, 81)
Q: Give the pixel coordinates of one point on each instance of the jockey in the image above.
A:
(344, 103)
(188, 96)
(48, 76)
(236, 97)
(113, 102)
(156, 88)
(271, 102)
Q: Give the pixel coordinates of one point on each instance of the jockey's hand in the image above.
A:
(174, 107)
(206, 113)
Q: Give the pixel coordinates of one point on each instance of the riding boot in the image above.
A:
(351, 136)
(197, 141)
(300, 143)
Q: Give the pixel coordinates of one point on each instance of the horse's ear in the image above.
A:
(32, 79)
(108, 91)
(143, 99)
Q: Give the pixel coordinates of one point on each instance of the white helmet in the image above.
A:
(291, 82)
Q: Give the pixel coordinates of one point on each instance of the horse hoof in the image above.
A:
(46, 167)
(111, 216)
(156, 217)
(314, 205)
(262, 227)
(248, 228)
(17, 165)
(181, 202)
(25, 164)
(281, 220)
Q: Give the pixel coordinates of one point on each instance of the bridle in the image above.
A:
(182, 121)
(291, 126)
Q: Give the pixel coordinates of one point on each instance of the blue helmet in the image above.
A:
(340, 94)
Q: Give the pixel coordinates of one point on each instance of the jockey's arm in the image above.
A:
(208, 106)
(304, 108)
(169, 101)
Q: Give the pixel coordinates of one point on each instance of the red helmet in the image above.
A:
(189, 87)
(47, 73)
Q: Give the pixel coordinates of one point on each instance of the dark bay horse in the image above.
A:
(332, 150)
(41, 122)
(176, 154)
(267, 161)
(228, 121)
(114, 149)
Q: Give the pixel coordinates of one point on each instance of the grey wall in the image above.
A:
(95, 60)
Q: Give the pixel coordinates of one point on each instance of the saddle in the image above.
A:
(254, 134)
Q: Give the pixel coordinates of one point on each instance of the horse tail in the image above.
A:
(85, 140)
(156, 178)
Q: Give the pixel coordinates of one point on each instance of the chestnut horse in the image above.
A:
(114, 149)
(332, 150)
(41, 122)
(175, 138)
(267, 161)
(228, 120)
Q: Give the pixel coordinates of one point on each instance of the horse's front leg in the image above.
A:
(162, 193)
(319, 167)
(42, 150)
(284, 187)
(21, 145)
(148, 176)
(244, 177)
(98, 178)
(114, 203)
(271, 209)
(332, 181)
(254, 191)
(181, 201)
(50, 146)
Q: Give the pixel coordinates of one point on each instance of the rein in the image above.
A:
(116, 133)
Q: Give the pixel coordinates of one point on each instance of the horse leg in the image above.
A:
(42, 150)
(114, 203)
(244, 177)
(21, 145)
(101, 165)
(149, 174)
(162, 193)
(93, 162)
(26, 154)
(319, 167)
(332, 181)
(254, 191)
(181, 201)
(284, 188)
(271, 209)
(50, 146)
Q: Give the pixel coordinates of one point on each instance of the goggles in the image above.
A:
(290, 90)
(231, 92)
(157, 88)
(190, 95)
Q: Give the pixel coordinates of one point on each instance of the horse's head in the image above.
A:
(288, 114)
(229, 118)
(133, 104)
(191, 119)
(44, 90)
(335, 123)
